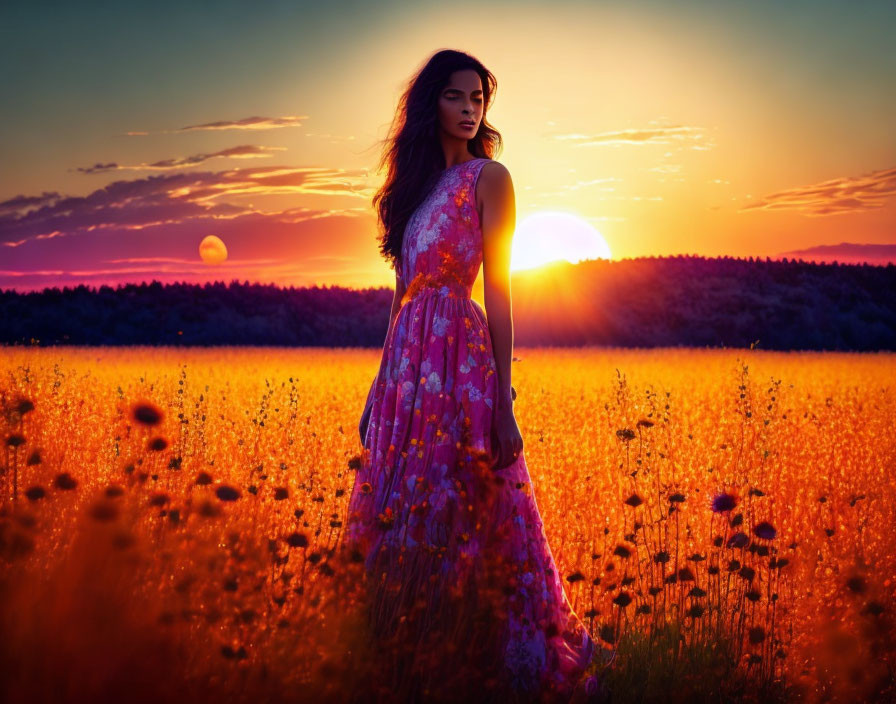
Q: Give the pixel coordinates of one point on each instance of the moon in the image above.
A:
(212, 249)
(553, 236)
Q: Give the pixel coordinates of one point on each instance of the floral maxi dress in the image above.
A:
(455, 552)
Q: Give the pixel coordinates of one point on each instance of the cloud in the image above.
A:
(21, 204)
(676, 134)
(845, 194)
(299, 271)
(244, 151)
(177, 260)
(176, 199)
(248, 123)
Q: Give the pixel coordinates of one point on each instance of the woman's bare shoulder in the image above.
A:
(493, 183)
(493, 170)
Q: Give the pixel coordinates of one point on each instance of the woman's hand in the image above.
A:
(507, 441)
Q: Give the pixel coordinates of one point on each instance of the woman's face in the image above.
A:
(461, 101)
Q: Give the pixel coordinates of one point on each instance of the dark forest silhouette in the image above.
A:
(643, 302)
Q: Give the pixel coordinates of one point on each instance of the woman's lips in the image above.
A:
(467, 124)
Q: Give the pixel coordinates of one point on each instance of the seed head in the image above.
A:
(147, 413)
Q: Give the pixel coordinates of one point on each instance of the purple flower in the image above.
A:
(765, 530)
(723, 502)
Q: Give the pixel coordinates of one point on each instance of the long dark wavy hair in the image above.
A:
(413, 153)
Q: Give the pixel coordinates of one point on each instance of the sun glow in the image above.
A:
(553, 236)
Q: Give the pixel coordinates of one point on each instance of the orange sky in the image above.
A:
(689, 128)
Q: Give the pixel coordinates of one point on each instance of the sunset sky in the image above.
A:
(709, 128)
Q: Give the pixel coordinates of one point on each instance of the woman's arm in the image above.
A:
(498, 220)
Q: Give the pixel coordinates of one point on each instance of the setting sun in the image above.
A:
(551, 236)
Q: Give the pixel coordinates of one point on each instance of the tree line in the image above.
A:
(682, 300)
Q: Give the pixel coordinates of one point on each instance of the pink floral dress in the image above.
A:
(456, 552)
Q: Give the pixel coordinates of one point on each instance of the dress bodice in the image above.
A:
(442, 244)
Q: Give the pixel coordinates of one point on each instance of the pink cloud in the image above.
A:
(151, 227)
(171, 199)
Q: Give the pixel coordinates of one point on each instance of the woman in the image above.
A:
(463, 585)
